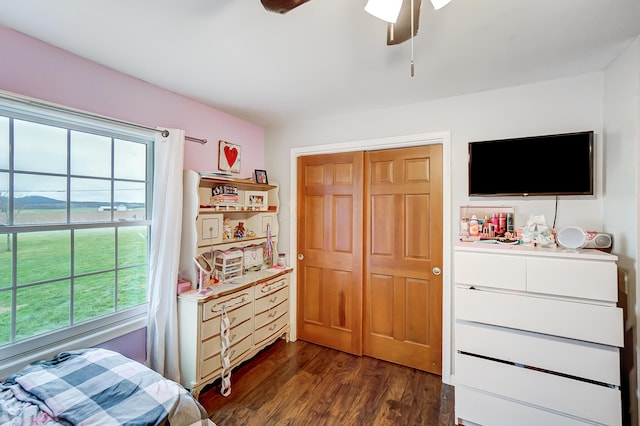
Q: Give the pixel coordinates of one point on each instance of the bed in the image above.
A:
(95, 387)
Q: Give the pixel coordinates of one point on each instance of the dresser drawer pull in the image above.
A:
(273, 299)
(273, 327)
(231, 303)
(271, 287)
(232, 338)
(273, 313)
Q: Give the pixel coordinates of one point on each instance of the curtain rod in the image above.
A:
(84, 114)
(165, 133)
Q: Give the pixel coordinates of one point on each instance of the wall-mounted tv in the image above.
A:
(561, 164)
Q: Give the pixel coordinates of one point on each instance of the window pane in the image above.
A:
(130, 160)
(94, 296)
(42, 308)
(4, 198)
(90, 155)
(94, 250)
(4, 143)
(5, 260)
(39, 199)
(43, 256)
(39, 148)
(84, 193)
(129, 198)
(90, 200)
(132, 246)
(132, 287)
(5, 317)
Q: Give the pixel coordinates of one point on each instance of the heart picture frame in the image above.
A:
(228, 157)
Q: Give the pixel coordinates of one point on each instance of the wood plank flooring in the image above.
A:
(299, 383)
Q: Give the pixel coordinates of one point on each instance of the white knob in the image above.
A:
(301, 256)
(436, 271)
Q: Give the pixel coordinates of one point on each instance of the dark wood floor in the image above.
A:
(299, 383)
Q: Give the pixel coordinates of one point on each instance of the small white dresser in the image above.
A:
(537, 336)
(258, 310)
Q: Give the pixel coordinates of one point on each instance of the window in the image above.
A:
(75, 198)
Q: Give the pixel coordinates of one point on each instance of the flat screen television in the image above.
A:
(561, 164)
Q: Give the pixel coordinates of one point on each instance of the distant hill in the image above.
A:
(39, 202)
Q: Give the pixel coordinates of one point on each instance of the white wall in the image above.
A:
(566, 105)
(622, 133)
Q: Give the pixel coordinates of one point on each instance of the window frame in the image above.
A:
(97, 330)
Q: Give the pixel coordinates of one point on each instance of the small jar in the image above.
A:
(282, 260)
(464, 227)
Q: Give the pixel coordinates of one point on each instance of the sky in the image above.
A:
(42, 148)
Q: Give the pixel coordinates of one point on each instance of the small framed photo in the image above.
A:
(261, 176)
(256, 200)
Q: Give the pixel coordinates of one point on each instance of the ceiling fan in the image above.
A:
(398, 14)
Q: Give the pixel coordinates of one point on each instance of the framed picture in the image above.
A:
(228, 157)
(261, 176)
(256, 200)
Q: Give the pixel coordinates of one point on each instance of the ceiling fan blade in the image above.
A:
(281, 6)
(401, 31)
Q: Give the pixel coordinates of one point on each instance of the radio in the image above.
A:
(599, 240)
(575, 238)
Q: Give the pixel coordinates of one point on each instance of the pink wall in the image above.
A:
(33, 68)
(39, 70)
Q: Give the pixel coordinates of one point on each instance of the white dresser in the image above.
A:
(537, 336)
(258, 311)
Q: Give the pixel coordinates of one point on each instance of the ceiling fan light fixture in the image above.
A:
(387, 10)
(439, 4)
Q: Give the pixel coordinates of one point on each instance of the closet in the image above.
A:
(370, 253)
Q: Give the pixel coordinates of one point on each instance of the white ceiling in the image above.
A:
(329, 57)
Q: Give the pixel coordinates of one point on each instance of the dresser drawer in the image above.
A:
(264, 289)
(574, 358)
(486, 409)
(585, 400)
(214, 307)
(271, 329)
(580, 321)
(212, 346)
(210, 365)
(272, 300)
(271, 314)
(574, 278)
(491, 270)
(236, 316)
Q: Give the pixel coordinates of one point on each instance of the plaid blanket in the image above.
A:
(101, 387)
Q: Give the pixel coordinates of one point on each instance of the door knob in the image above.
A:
(300, 256)
(436, 271)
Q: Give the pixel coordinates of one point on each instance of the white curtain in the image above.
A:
(166, 225)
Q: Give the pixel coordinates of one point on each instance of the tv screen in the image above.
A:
(541, 165)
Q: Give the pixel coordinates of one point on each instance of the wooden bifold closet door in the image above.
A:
(370, 233)
(403, 243)
(330, 239)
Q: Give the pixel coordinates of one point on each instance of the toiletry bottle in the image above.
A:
(502, 223)
(473, 227)
(486, 226)
(494, 222)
